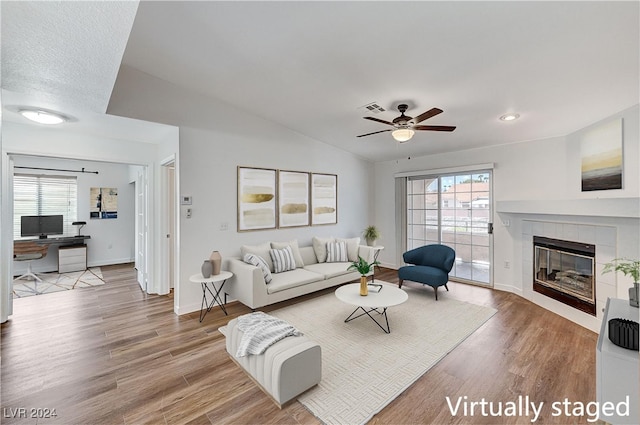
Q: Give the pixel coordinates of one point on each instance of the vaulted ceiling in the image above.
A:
(311, 66)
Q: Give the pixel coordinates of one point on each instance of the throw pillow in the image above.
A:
(353, 247)
(320, 248)
(294, 248)
(258, 261)
(337, 252)
(259, 250)
(282, 259)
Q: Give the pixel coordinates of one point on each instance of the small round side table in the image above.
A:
(208, 284)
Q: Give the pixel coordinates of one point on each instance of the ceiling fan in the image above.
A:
(405, 126)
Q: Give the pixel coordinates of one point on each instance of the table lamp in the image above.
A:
(81, 224)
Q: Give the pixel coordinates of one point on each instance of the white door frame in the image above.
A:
(170, 267)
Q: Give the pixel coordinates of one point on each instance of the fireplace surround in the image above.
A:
(565, 271)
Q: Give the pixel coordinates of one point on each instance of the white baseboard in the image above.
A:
(100, 263)
(508, 288)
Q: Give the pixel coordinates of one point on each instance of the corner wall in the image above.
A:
(216, 138)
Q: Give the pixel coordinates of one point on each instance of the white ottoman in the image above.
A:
(286, 369)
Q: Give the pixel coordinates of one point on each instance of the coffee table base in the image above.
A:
(383, 313)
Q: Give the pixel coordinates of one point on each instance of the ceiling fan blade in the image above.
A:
(434, 127)
(375, 132)
(430, 113)
(376, 119)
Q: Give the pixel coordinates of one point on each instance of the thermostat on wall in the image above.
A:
(185, 200)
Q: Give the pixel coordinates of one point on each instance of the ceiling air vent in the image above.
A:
(373, 108)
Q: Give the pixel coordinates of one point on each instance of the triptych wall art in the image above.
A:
(269, 198)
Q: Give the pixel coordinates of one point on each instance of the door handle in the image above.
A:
(490, 228)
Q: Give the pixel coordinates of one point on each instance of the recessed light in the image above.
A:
(509, 117)
(43, 117)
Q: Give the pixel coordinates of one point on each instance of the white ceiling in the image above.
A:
(310, 65)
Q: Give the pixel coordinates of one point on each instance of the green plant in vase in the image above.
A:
(371, 234)
(364, 269)
(627, 267)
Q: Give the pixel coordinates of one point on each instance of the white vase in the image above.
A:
(634, 294)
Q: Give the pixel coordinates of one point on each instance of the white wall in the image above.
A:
(112, 240)
(216, 138)
(544, 170)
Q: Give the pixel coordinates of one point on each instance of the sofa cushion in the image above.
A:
(329, 270)
(294, 248)
(320, 247)
(353, 246)
(258, 261)
(259, 250)
(282, 259)
(291, 279)
(337, 252)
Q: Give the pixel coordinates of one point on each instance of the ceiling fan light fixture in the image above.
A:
(43, 117)
(402, 135)
(509, 117)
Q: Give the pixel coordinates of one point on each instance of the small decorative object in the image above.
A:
(371, 234)
(206, 269)
(216, 262)
(364, 269)
(624, 333)
(631, 268)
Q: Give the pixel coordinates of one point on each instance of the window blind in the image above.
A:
(45, 195)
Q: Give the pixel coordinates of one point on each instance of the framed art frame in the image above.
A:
(293, 198)
(103, 202)
(257, 193)
(601, 157)
(324, 199)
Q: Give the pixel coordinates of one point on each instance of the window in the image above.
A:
(44, 195)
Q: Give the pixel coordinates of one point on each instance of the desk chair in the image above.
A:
(29, 251)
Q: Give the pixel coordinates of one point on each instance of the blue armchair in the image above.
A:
(429, 265)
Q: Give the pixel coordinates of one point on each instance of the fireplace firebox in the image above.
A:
(565, 271)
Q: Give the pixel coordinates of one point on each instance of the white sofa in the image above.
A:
(248, 284)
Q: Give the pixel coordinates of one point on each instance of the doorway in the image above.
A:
(454, 210)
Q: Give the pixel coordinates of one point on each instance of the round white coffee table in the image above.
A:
(388, 296)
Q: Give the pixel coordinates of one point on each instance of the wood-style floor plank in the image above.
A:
(114, 355)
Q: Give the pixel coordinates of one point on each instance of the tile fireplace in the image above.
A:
(565, 271)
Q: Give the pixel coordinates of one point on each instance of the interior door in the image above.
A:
(141, 228)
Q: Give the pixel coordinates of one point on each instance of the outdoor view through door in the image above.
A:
(454, 210)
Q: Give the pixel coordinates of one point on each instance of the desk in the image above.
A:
(63, 241)
(205, 281)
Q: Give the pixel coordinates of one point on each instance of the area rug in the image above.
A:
(363, 368)
(54, 282)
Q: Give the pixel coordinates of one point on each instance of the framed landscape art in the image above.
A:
(293, 198)
(324, 199)
(601, 156)
(257, 191)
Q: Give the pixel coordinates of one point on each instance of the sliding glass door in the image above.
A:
(454, 210)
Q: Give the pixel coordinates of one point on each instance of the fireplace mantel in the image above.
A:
(604, 207)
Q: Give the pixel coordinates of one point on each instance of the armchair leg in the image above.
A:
(447, 288)
(435, 289)
(400, 284)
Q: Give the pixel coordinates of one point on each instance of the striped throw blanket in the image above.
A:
(260, 331)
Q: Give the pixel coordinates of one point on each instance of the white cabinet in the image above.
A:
(616, 367)
(72, 258)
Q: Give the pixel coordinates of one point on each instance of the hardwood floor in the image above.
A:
(112, 355)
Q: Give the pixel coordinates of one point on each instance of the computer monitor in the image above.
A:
(41, 225)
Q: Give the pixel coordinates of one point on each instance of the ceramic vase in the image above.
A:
(371, 242)
(364, 290)
(634, 294)
(206, 269)
(216, 262)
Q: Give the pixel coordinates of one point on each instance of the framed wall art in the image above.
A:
(601, 157)
(324, 199)
(257, 190)
(293, 198)
(103, 202)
